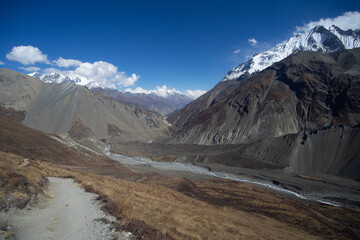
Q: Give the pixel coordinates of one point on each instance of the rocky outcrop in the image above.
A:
(11, 113)
(79, 131)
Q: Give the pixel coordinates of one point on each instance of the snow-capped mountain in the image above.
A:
(59, 78)
(162, 100)
(163, 104)
(318, 39)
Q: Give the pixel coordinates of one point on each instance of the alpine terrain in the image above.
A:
(271, 152)
(76, 110)
(301, 113)
(164, 103)
(318, 39)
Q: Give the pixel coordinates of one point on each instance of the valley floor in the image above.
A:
(151, 205)
(307, 187)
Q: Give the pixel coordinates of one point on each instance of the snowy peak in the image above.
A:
(321, 39)
(151, 101)
(318, 39)
(350, 38)
(59, 78)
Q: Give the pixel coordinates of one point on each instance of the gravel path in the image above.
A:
(68, 213)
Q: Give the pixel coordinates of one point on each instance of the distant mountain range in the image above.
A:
(60, 78)
(163, 104)
(318, 39)
(152, 102)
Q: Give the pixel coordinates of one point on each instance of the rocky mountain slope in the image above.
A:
(308, 101)
(74, 109)
(319, 39)
(17, 89)
(183, 116)
(307, 90)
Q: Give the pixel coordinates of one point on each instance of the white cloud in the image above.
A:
(193, 94)
(27, 55)
(131, 80)
(349, 20)
(103, 73)
(66, 63)
(30, 69)
(252, 41)
(163, 91)
(2, 63)
(53, 70)
(139, 90)
(236, 51)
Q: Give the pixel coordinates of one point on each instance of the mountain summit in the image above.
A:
(60, 78)
(318, 39)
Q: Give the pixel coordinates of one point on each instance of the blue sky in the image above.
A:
(180, 44)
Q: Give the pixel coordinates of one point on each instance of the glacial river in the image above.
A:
(178, 166)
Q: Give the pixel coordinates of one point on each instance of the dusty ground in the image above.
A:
(67, 212)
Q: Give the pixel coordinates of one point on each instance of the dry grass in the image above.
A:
(165, 208)
(239, 211)
(18, 185)
(182, 209)
(173, 213)
(167, 158)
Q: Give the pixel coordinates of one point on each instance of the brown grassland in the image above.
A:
(153, 206)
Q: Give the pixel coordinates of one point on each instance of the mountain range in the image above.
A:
(294, 107)
(318, 39)
(306, 90)
(76, 110)
(56, 77)
(301, 112)
(158, 103)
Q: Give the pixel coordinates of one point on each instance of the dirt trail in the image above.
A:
(68, 213)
